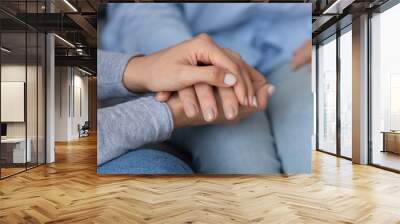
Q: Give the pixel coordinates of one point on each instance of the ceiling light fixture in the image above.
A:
(337, 7)
(70, 5)
(84, 71)
(65, 41)
(5, 50)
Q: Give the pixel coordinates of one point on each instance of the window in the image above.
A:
(346, 92)
(385, 89)
(327, 96)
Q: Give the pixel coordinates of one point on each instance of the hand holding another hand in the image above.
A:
(197, 75)
(213, 100)
(181, 120)
(177, 67)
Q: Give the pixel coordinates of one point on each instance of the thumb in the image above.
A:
(163, 96)
(211, 75)
(263, 94)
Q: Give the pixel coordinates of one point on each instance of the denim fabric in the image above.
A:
(246, 147)
(277, 140)
(145, 161)
(291, 112)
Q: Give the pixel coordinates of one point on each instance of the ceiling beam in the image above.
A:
(78, 61)
(86, 27)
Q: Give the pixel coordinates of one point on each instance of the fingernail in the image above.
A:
(229, 79)
(246, 102)
(191, 110)
(210, 115)
(271, 89)
(230, 114)
(254, 101)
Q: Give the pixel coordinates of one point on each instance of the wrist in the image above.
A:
(133, 78)
(178, 114)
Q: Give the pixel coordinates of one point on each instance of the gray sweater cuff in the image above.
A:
(130, 125)
(111, 67)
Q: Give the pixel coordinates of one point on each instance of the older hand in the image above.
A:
(181, 120)
(212, 101)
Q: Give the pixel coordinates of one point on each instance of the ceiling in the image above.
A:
(72, 20)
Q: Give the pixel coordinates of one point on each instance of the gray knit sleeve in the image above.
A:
(110, 69)
(131, 124)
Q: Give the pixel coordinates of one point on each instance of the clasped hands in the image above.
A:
(201, 82)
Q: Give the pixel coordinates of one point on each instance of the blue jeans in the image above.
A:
(273, 141)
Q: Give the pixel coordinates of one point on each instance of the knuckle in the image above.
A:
(262, 107)
(187, 97)
(206, 100)
(204, 37)
(235, 54)
(215, 73)
(188, 100)
(236, 69)
(204, 94)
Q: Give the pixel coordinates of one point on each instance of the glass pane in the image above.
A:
(346, 94)
(386, 89)
(31, 88)
(327, 96)
(31, 97)
(13, 86)
(41, 98)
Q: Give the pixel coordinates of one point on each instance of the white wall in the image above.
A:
(62, 81)
(15, 72)
(70, 83)
(80, 89)
(33, 126)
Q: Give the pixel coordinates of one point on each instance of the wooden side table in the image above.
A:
(391, 141)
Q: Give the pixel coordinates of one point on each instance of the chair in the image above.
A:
(84, 130)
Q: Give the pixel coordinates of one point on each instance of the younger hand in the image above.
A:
(177, 67)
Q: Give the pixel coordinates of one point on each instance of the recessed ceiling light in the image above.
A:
(84, 71)
(65, 41)
(338, 6)
(5, 49)
(70, 5)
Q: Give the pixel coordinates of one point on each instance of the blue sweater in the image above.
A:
(265, 34)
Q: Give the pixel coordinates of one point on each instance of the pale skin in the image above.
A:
(221, 98)
(198, 80)
(177, 68)
(181, 119)
(302, 56)
(230, 106)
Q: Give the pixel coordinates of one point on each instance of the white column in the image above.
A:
(50, 93)
(50, 99)
(360, 90)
